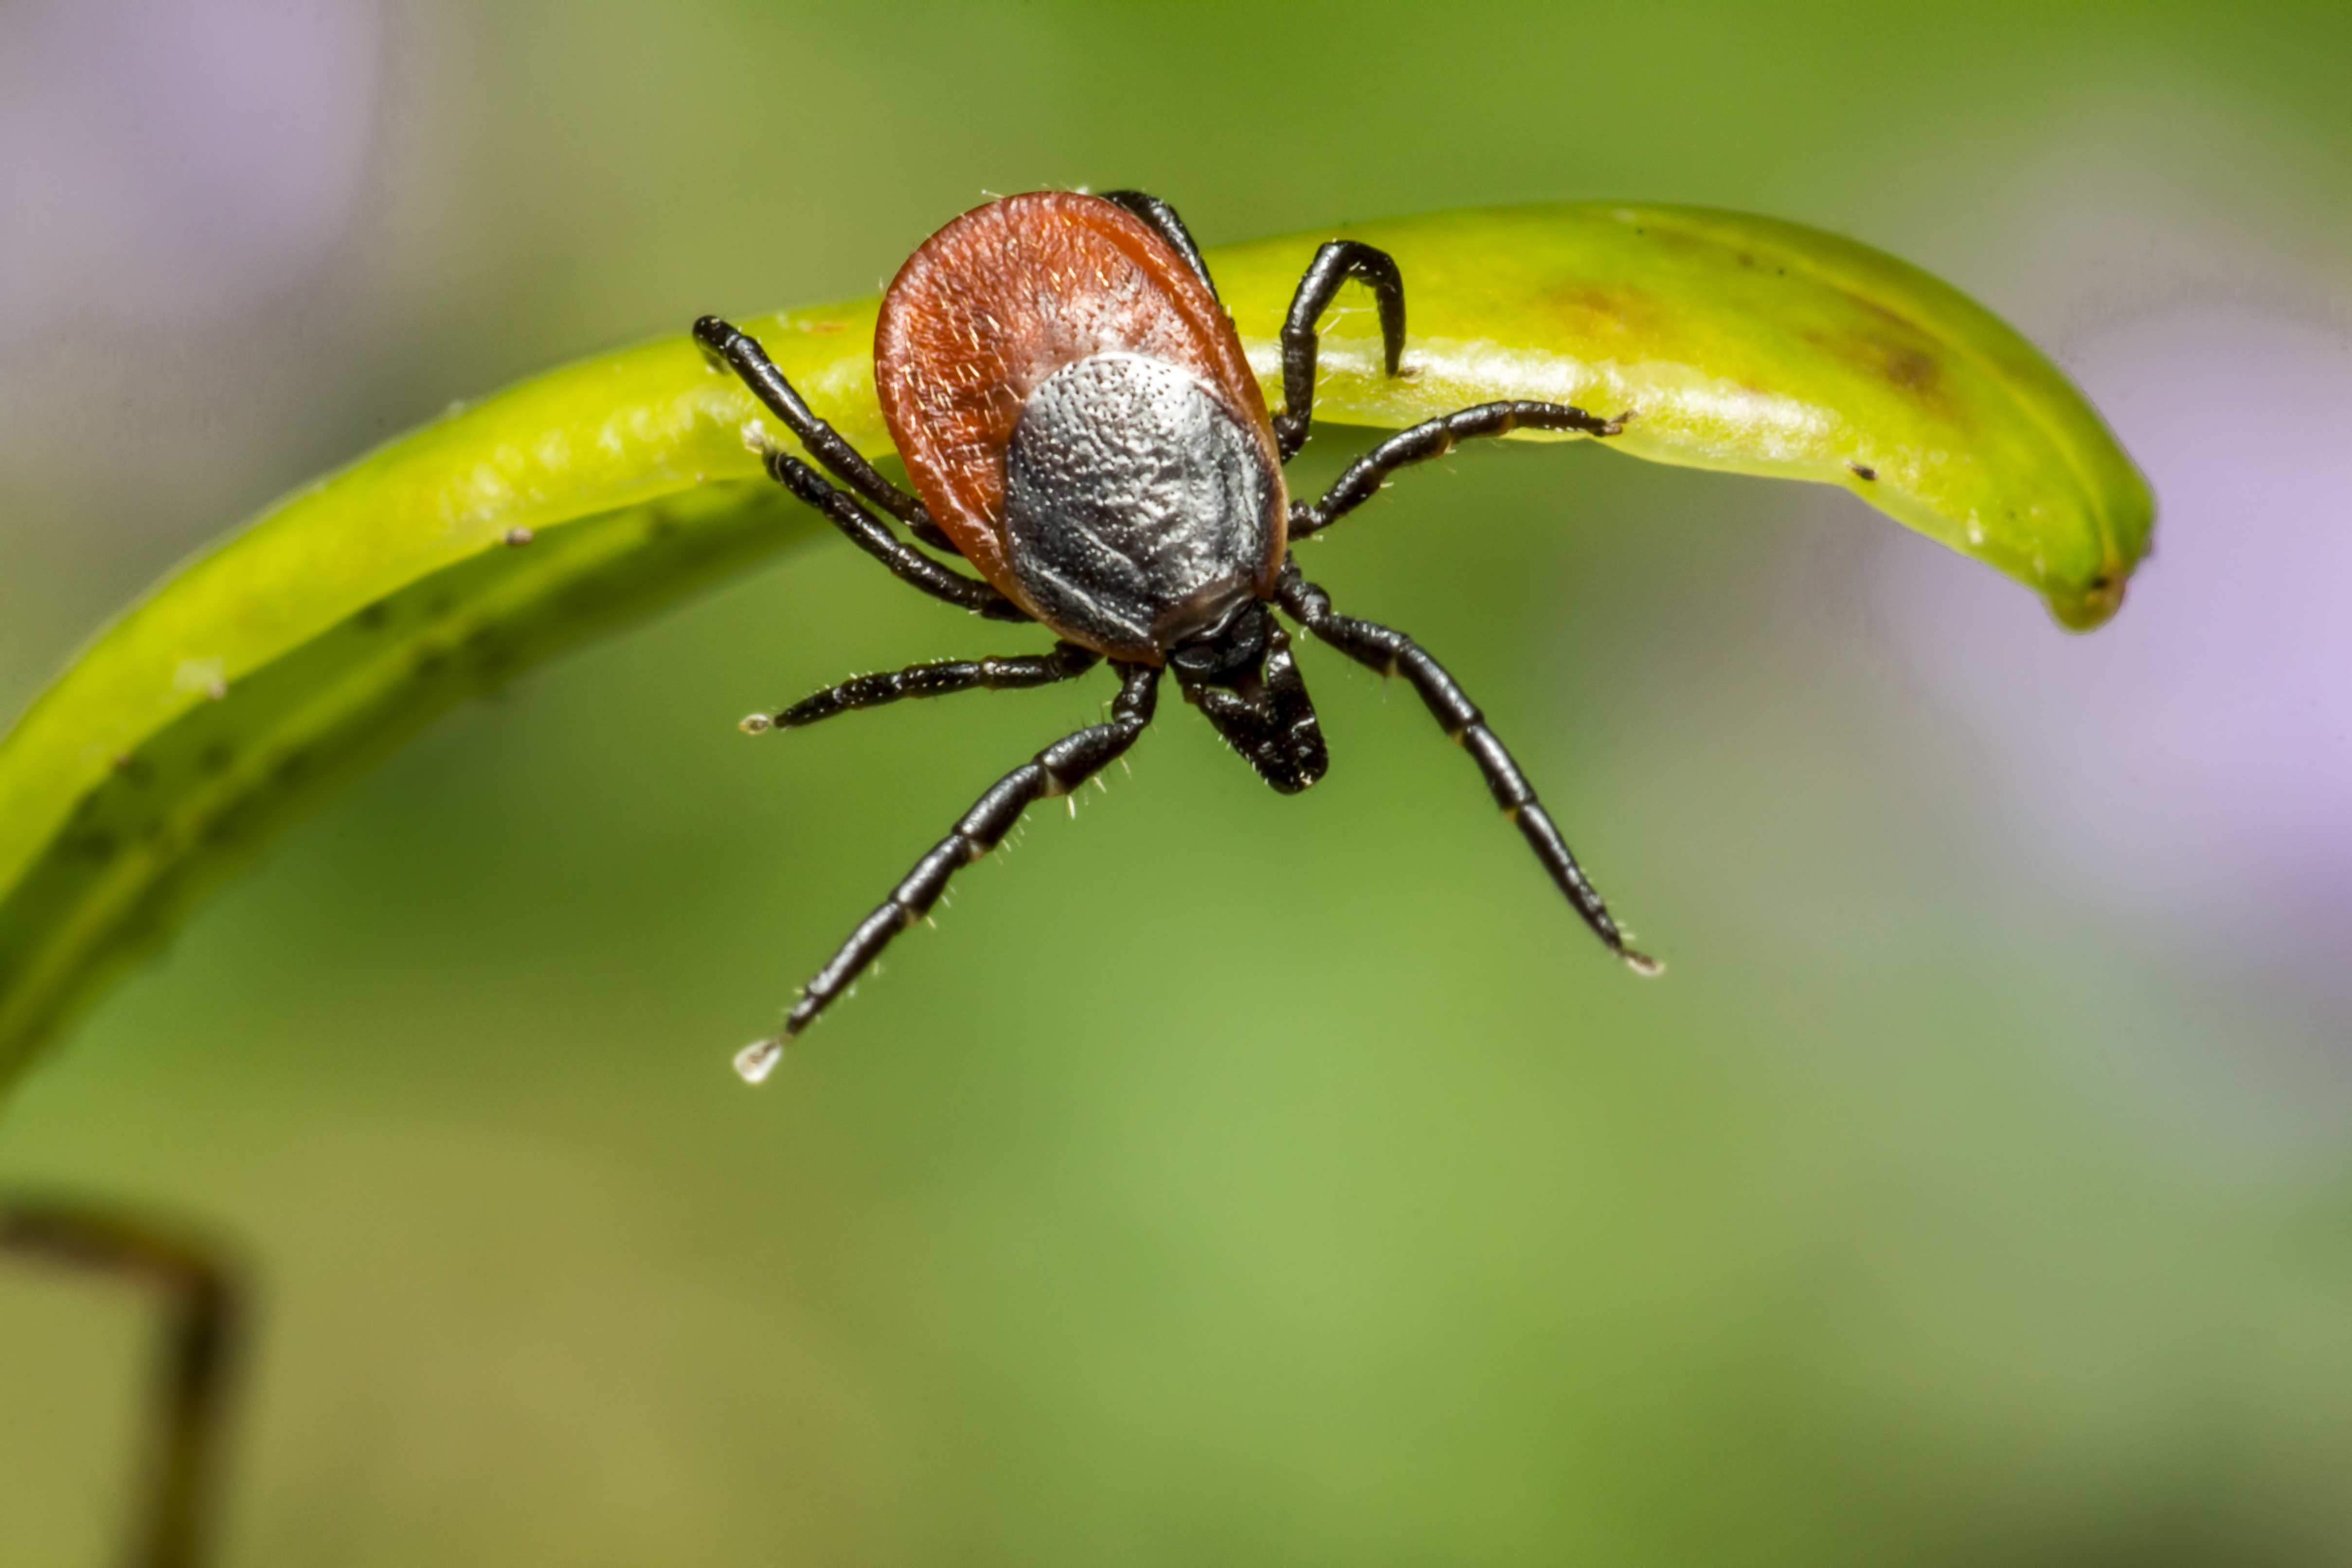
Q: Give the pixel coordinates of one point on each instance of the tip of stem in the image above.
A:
(757, 724)
(755, 1061)
(1642, 964)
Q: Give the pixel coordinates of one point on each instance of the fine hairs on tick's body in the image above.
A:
(1081, 427)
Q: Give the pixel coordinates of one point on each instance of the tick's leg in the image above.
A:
(1338, 262)
(869, 534)
(1392, 653)
(1163, 220)
(1435, 438)
(198, 1364)
(742, 352)
(1066, 662)
(1058, 770)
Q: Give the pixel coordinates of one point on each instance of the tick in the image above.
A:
(1082, 428)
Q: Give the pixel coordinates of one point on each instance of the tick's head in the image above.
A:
(1240, 674)
(1227, 650)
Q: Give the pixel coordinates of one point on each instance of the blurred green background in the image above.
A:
(1233, 1179)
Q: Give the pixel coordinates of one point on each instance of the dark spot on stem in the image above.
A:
(1911, 369)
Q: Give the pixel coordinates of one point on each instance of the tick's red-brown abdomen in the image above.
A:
(1000, 299)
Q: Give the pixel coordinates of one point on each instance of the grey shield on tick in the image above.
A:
(1127, 488)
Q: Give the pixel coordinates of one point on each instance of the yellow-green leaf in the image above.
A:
(310, 641)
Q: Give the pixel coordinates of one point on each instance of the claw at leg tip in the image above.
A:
(755, 1061)
(757, 724)
(1642, 963)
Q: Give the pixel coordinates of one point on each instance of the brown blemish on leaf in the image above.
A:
(1596, 315)
(1862, 470)
(1912, 367)
(1875, 308)
(2091, 609)
(1909, 368)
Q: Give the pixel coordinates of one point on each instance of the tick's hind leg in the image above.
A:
(1058, 770)
(1435, 438)
(742, 352)
(1392, 653)
(1163, 221)
(1338, 262)
(1066, 662)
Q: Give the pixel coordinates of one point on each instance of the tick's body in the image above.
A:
(1078, 415)
(1076, 412)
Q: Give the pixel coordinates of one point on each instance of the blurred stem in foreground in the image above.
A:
(206, 1303)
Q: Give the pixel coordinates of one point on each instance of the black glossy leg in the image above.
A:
(1267, 718)
(1435, 438)
(742, 352)
(182, 1479)
(1170, 227)
(868, 532)
(1066, 662)
(1055, 771)
(1392, 653)
(1338, 262)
